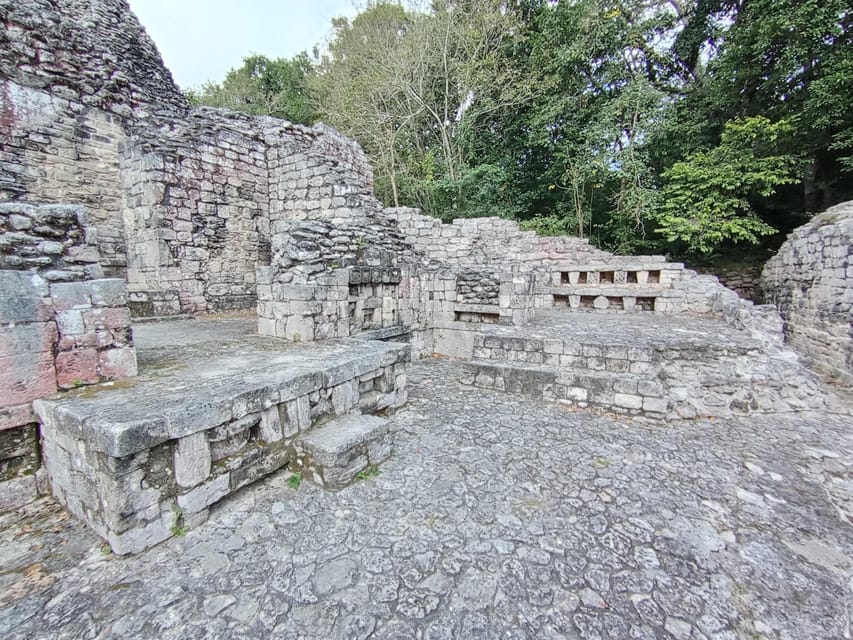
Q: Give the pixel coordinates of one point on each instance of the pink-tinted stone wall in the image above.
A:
(62, 326)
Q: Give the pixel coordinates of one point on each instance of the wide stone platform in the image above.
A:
(661, 366)
(498, 516)
(214, 408)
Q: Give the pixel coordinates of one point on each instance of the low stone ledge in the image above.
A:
(139, 462)
(492, 309)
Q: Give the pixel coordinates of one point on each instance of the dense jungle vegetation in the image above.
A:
(683, 126)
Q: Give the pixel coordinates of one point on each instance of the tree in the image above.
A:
(266, 87)
(359, 85)
(645, 125)
(706, 198)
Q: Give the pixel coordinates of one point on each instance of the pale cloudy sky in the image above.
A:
(201, 40)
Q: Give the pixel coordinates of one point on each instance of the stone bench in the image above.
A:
(140, 460)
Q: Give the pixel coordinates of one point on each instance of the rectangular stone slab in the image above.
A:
(335, 453)
(197, 394)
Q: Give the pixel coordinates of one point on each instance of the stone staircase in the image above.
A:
(671, 367)
(333, 455)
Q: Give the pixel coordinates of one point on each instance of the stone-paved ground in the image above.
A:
(497, 517)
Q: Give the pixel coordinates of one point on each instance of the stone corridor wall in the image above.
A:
(810, 280)
(76, 78)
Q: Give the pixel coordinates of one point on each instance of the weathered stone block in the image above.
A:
(192, 459)
(298, 416)
(117, 364)
(71, 295)
(628, 401)
(270, 426)
(24, 297)
(338, 451)
(655, 405)
(26, 377)
(16, 416)
(204, 495)
(74, 368)
(144, 537)
(22, 339)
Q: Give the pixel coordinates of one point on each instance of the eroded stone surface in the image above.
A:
(810, 279)
(496, 517)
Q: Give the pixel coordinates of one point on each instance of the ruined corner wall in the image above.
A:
(75, 78)
(195, 202)
(810, 280)
(62, 325)
(316, 173)
(203, 198)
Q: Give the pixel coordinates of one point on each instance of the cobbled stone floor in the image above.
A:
(497, 517)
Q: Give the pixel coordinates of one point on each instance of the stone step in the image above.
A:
(617, 354)
(333, 454)
(624, 393)
(563, 353)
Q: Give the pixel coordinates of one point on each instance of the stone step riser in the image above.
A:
(619, 394)
(684, 388)
(565, 354)
(595, 356)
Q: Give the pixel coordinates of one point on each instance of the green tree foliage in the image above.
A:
(673, 125)
(411, 87)
(706, 198)
(264, 87)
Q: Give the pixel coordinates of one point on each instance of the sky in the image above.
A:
(200, 40)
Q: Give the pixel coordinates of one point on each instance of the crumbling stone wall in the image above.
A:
(62, 325)
(76, 77)
(810, 280)
(203, 197)
(482, 241)
(194, 196)
(316, 173)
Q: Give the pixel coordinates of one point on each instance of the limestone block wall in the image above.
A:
(336, 277)
(62, 325)
(195, 205)
(316, 173)
(810, 280)
(75, 77)
(202, 198)
(481, 241)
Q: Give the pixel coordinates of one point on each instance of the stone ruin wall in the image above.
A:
(194, 196)
(62, 326)
(187, 204)
(810, 280)
(76, 78)
(481, 241)
(202, 198)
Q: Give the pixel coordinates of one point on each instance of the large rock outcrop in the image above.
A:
(810, 280)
